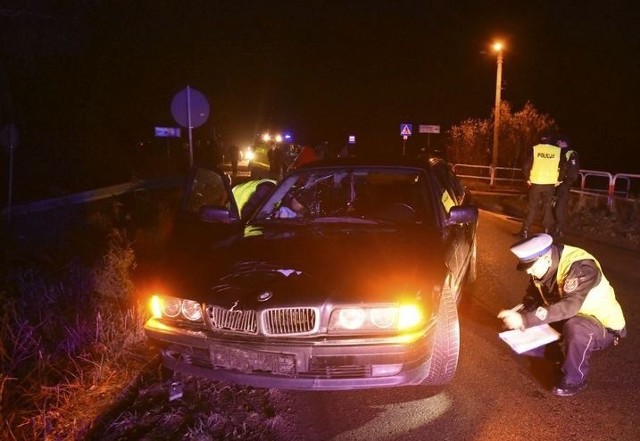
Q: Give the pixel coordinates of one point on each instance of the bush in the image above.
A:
(65, 324)
(471, 141)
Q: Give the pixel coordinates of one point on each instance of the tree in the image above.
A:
(470, 142)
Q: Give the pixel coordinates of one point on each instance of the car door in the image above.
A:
(206, 188)
(456, 235)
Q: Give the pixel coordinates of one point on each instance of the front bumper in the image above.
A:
(296, 363)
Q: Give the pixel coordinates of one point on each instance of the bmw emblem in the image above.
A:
(264, 296)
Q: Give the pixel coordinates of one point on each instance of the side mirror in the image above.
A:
(462, 214)
(215, 214)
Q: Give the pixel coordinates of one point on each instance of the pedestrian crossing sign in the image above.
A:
(405, 129)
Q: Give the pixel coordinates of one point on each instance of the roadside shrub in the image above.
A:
(64, 323)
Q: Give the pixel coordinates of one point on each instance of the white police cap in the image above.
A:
(530, 249)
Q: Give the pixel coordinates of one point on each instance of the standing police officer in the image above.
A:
(563, 190)
(542, 168)
(568, 290)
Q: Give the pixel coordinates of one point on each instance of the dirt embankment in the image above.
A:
(615, 221)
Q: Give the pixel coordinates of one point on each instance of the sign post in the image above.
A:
(190, 109)
(10, 140)
(428, 129)
(405, 132)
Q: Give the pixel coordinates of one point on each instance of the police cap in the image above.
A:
(562, 141)
(548, 138)
(529, 250)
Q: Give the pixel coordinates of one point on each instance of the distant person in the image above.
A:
(307, 154)
(568, 291)
(542, 168)
(563, 190)
(276, 162)
(234, 154)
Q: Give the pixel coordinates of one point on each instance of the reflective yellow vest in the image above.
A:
(601, 301)
(546, 161)
(242, 192)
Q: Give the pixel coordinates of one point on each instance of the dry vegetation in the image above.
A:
(74, 361)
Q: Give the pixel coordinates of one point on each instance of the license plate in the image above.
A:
(248, 361)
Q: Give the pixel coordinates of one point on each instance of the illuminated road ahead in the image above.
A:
(496, 395)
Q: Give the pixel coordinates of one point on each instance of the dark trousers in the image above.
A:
(581, 335)
(563, 191)
(540, 200)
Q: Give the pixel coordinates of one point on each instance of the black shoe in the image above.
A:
(523, 234)
(564, 389)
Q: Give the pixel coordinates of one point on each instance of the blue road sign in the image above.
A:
(167, 132)
(405, 129)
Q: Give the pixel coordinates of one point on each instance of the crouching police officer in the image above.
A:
(568, 290)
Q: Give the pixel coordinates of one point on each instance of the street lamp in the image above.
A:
(498, 48)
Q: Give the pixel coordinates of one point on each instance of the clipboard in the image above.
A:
(530, 338)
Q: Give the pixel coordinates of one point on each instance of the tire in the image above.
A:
(446, 346)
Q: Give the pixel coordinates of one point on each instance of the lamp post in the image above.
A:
(498, 48)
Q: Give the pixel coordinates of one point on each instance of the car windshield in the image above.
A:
(358, 195)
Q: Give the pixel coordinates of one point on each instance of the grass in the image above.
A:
(74, 361)
(66, 325)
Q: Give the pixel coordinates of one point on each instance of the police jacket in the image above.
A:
(544, 165)
(573, 285)
(249, 195)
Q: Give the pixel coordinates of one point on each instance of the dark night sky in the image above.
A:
(322, 69)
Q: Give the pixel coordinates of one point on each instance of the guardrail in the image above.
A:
(608, 183)
(92, 195)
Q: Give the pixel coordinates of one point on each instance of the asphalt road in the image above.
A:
(496, 394)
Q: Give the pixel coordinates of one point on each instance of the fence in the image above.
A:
(590, 180)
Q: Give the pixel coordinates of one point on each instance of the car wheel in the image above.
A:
(446, 347)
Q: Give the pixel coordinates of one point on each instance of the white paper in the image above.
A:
(530, 338)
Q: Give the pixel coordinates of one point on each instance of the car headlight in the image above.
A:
(191, 310)
(352, 318)
(176, 308)
(409, 316)
(383, 318)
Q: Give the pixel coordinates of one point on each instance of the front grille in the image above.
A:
(229, 320)
(336, 372)
(290, 321)
(279, 321)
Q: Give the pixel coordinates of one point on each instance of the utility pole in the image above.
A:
(496, 113)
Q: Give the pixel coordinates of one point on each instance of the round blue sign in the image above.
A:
(190, 108)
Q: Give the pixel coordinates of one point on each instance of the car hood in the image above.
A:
(309, 265)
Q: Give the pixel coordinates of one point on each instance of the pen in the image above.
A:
(519, 307)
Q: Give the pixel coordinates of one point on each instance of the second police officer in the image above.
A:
(542, 169)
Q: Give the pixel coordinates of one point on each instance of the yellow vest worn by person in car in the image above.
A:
(601, 301)
(242, 192)
(546, 161)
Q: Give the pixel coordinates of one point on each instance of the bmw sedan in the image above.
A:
(347, 276)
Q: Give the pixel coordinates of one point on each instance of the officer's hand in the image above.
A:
(511, 319)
